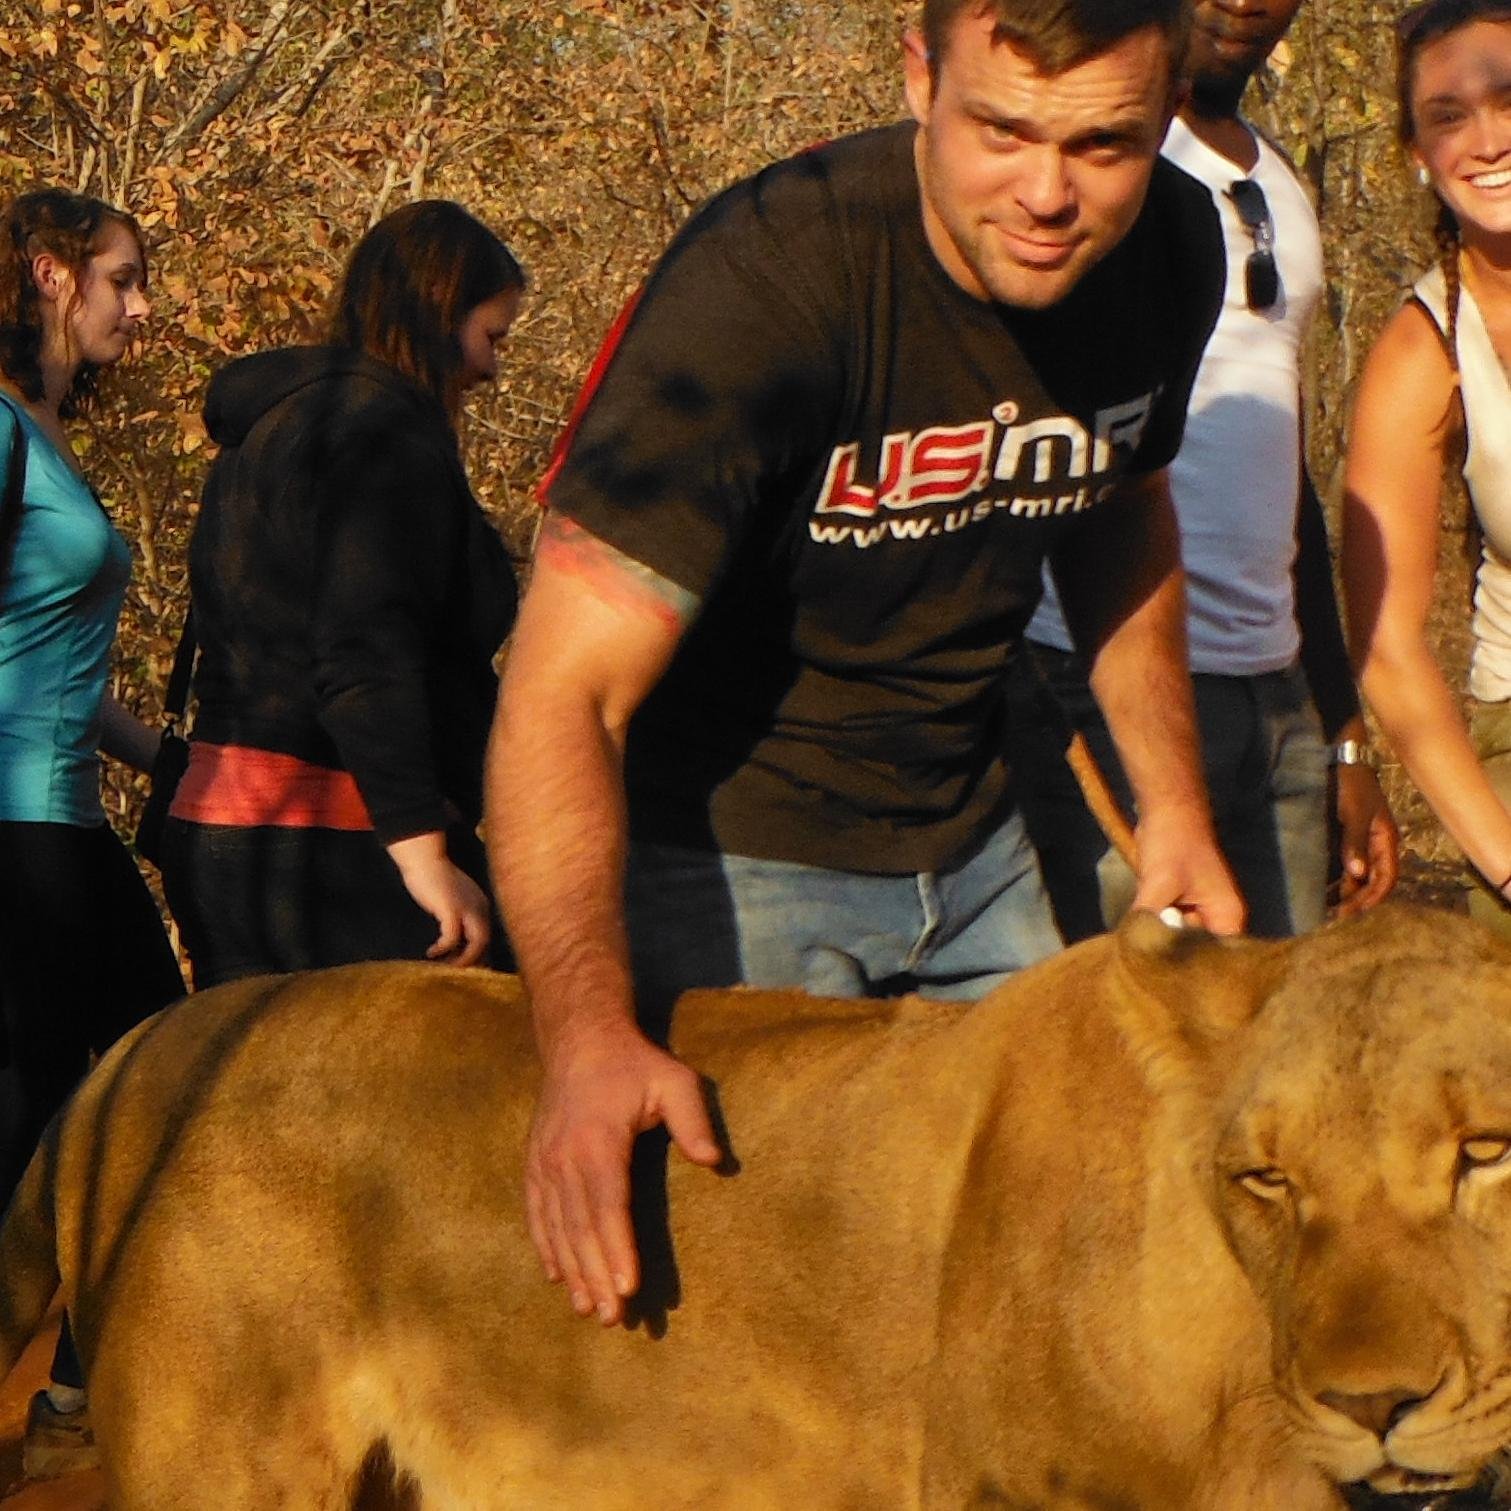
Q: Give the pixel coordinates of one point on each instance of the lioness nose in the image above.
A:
(1378, 1412)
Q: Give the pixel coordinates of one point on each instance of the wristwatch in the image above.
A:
(1352, 753)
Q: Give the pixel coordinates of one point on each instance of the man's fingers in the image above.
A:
(540, 1235)
(685, 1114)
(595, 1197)
(1385, 854)
(608, 1192)
(1224, 916)
(1204, 891)
(1353, 867)
(1351, 900)
(1217, 909)
(578, 1177)
(1371, 867)
(559, 1227)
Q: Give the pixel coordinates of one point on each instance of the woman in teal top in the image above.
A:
(63, 588)
(83, 956)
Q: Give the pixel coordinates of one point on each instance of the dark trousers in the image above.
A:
(1265, 765)
(83, 958)
(256, 900)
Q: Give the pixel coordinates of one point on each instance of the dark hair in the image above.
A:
(409, 285)
(1059, 34)
(71, 227)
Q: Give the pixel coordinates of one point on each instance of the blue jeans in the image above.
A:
(699, 918)
(1266, 769)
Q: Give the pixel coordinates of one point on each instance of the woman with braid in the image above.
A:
(1435, 388)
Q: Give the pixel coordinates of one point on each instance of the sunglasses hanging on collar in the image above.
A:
(1261, 276)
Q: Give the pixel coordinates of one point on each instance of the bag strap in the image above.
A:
(15, 482)
(176, 698)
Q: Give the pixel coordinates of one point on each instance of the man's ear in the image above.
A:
(1180, 94)
(917, 76)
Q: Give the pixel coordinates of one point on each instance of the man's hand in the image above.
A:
(1181, 866)
(1124, 594)
(600, 1091)
(1370, 847)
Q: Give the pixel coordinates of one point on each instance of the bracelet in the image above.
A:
(1351, 753)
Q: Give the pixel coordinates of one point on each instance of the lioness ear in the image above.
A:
(1206, 987)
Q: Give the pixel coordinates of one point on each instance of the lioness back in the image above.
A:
(309, 1189)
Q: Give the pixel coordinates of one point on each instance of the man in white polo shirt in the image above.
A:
(1274, 694)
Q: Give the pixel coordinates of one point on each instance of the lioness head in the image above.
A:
(1360, 1166)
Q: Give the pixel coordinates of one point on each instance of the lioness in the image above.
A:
(1166, 1224)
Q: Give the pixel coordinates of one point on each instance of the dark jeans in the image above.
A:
(83, 958)
(255, 900)
(1265, 765)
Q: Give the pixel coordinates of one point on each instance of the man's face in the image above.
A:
(1231, 38)
(1029, 179)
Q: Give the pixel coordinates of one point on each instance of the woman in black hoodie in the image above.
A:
(349, 596)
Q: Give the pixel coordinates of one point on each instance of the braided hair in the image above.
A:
(1445, 236)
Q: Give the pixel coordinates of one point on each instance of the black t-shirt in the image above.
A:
(858, 469)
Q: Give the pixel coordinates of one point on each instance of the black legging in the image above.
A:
(83, 957)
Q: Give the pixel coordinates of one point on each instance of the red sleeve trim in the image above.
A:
(600, 366)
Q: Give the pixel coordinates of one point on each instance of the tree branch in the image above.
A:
(233, 85)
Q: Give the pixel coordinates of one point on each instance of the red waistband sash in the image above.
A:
(240, 785)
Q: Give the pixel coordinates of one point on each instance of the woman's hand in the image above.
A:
(451, 897)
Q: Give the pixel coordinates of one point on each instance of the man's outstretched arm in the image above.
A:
(1124, 593)
(595, 633)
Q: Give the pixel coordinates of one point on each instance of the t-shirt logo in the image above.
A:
(1052, 463)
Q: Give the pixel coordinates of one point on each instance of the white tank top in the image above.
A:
(1487, 473)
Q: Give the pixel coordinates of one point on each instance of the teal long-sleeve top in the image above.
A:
(60, 599)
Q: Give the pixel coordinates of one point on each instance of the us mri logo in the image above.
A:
(926, 479)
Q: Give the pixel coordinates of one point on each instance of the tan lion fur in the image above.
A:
(991, 1256)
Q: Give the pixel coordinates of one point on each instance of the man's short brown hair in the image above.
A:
(1059, 34)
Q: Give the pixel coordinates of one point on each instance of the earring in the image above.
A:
(1424, 178)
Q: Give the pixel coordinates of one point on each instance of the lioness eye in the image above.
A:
(1268, 1182)
(1484, 1151)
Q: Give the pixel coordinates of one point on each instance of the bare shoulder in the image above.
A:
(1410, 348)
(1406, 399)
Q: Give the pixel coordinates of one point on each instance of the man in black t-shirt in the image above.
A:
(751, 726)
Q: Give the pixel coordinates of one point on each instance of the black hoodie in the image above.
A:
(349, 593)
